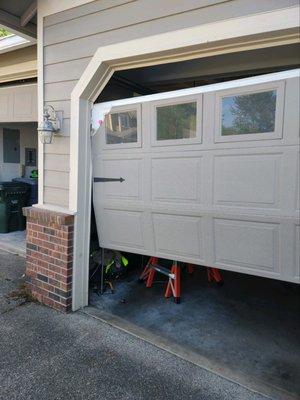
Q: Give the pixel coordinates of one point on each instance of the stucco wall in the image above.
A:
(71, 38)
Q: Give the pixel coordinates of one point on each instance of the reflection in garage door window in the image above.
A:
(250, 113)
(177, 121)
(121, 127)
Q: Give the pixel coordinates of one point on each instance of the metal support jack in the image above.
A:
(214, 275)
(173, 286)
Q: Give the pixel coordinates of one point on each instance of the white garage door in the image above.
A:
(210, 175)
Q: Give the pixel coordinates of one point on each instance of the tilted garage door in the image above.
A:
(211, 175)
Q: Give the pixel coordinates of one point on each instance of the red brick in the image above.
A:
(49, 257)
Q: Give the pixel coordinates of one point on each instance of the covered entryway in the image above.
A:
(18, 160)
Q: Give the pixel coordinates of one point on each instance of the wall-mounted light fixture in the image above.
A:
(51, 124)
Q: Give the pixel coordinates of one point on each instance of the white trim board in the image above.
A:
(40, 94)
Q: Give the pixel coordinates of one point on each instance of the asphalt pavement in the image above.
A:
(45, 355)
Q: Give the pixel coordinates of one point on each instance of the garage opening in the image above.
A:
(18, 160)
(18, 181)
(178, 145)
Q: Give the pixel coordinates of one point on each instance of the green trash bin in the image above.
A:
(13, 197)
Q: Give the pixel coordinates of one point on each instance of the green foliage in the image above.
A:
(252, 113)
(176, 121)
(227, 130)
(4, 32)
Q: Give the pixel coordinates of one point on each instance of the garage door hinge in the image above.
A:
(96, 179)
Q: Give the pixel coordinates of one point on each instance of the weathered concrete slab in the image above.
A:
(14, 242)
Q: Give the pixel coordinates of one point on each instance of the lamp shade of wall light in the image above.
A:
(50, 126)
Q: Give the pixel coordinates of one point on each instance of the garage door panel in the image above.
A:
(248, 180)
(122, 229)
(176, 179)
(178, 235)
(131, 170)
(248, 245)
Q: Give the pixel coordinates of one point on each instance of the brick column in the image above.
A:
(49, 257)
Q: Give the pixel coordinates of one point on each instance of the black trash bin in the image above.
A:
(33, 189)
(13, 197)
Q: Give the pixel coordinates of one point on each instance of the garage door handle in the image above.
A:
(109, 180)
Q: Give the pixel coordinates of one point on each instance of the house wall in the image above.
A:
(18, 64)
(29, 139)
(71, 37)
(18, 103)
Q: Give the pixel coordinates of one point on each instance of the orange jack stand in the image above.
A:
(173, 286)
(214, 275)
(149, 272)
(190, 268)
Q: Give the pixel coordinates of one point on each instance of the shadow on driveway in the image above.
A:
(49, 355)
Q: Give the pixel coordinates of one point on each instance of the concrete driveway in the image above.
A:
(48, 355)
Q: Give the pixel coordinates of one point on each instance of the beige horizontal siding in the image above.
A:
(18, 64)
(59, 146)
(57, 162)
(78, 12)
(68, 70)
(58, 91)
(65, 129)
(56, 179)
(57, 197)
(63, 106)
(127, 14)
(85, 46)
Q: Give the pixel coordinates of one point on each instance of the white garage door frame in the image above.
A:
(251, 32)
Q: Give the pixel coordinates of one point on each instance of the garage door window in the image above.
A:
(121, 127)
(176, 122)
(246, 115)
